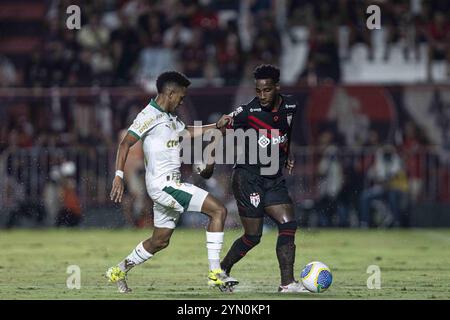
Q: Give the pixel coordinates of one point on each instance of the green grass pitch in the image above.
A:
(414, 264)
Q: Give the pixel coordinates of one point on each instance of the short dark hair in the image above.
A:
(267, 71)
(171, 77)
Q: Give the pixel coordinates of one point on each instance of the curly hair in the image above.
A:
(267, 71)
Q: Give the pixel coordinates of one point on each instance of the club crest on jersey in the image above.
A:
(289, 119)
(254, 199)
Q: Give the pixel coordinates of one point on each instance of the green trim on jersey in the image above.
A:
(156, 106)
(182, 197)
(134, 134)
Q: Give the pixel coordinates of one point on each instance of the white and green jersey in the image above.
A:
(159, 132)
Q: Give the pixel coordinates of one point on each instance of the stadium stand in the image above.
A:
(67, 93)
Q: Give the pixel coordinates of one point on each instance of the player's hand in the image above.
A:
(224, 120)
(290, 165)
(117, 189)
(208, 171)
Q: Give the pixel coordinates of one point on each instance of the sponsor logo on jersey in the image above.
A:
(141, 127)
(172, 143)
(277, 140)
(264, 141)
(255, 199)
(290, 106)
(255, 109)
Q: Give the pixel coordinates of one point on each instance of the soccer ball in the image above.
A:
(316, 277)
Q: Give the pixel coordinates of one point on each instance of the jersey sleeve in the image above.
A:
(142, 124)
(239, 118)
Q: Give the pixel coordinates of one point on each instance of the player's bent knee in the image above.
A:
(291, 225)
(161, 243)
(221, 213)
(252, 240)
(286, 233)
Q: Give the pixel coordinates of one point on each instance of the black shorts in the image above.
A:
(254, 193)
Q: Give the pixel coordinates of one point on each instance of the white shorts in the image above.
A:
(171, 199)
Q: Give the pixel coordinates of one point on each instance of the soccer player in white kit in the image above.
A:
(159, 129)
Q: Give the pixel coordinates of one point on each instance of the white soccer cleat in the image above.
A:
(117, 276)
(122, 287)
(295, 286)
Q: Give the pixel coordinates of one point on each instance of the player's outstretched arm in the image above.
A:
(196, 131)
(124, 147)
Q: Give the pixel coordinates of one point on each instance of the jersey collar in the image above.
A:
(156, 106)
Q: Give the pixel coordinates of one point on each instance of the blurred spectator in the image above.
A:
(125, 49)
(267, 44)
(352, 188)
(80, 71)
(411, 148)
(193, 55)
(390, 184)
(324, 57)
(18, 205)
(151, 27)
(356, 21)
(330, 203)
(438, 36)
(154, 59)
(258, 6)
(102, 66)
(35, 72)
(93, 35)
(438, 32)
(308, 77)
(230, 55)
(206, 19)
(51, 197)
(70, 214)
(22, 133)
(398, 24)
(178, 35)
(8, 73)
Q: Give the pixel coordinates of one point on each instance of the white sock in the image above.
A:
(214, 241)
(137, 256)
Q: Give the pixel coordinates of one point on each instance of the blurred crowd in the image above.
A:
(122, 43)
(127, 43)
(408, 23)
(374, 186)
(57, 205)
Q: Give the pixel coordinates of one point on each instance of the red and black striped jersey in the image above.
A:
(271, 127)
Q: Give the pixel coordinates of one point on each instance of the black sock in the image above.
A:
(238, 250)
(286, 251)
